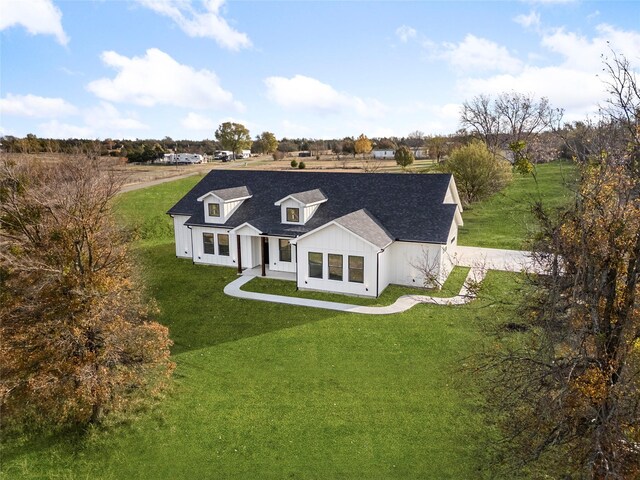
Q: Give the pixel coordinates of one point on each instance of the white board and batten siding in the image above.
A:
(226, 209)
(274, 257)
(205, 258)
(337, 240)
(182, 236)
(306, 212)
(402, 261)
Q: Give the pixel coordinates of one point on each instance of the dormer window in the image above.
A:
(220, 204)
(298, 208)
(214, 209)
(293, 215)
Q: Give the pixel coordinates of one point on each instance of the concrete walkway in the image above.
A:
(402, 304)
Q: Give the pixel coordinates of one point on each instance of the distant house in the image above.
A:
(336, 232)
(383, 153)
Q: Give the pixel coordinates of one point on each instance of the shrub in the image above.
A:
(477, 172)
(404, 157)
(301, 165)
(294, 163)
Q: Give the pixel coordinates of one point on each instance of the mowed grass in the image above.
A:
(274, 391)
(390, 294)
(505, 220)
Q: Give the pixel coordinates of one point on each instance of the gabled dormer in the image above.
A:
(219, 205)
(298, 208)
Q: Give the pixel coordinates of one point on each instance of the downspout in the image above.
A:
(191, 232)
(239, 254)
(378, 273)
(296, 245)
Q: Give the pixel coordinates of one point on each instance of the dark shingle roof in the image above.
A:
(232, 193)
(363, 224)
(408, 206)
(310, 196)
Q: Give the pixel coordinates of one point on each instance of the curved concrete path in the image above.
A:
(402, 304)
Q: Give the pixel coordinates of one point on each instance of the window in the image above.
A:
(285, 250)
(208, 243)
(315, 265)
(335, 267)
(356, 269)
(214, 209)
(293, 215)
(223, 244)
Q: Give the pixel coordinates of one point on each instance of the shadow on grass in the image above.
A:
(198, 313)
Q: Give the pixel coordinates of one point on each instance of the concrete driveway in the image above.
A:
(494, 259)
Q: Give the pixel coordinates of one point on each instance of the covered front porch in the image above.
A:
(259, 255)
(257, 272)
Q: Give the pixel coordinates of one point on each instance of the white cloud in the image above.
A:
(582, 53)
(475, 53)
(208, 23)
(528, 21)
(406, 33)
(157, 79)
(36, 16)
(106, 118)
(35, 106)
(195, 121)
(306, 93)
(56, 129)
(565, 88)
(572, 83)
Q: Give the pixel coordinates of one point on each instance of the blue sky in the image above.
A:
(178, 68)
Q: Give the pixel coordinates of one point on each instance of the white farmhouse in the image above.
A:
(336, 232)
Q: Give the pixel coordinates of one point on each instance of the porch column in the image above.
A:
(239, 254)
(264, 241)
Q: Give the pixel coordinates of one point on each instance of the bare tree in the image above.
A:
(511, 118)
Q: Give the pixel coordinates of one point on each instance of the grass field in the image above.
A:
(505, 219)
(265, 390)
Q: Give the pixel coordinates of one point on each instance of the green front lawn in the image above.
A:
(505, 220)
(390, 294)
(266, 390)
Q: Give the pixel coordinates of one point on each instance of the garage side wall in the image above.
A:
(182, 235)
(406, 260)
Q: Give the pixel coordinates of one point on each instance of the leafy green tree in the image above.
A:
(268, 142)
(233, 136)
(404, 156)
(477, 172)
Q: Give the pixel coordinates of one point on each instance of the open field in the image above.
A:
(136, 174)
(266, 390)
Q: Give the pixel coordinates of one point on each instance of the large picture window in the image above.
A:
(335, 267)
(223, 244)
(208, 243)
(315, 265)
(356, 269)
(214, 209)
(285, 250)
(293, 215)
